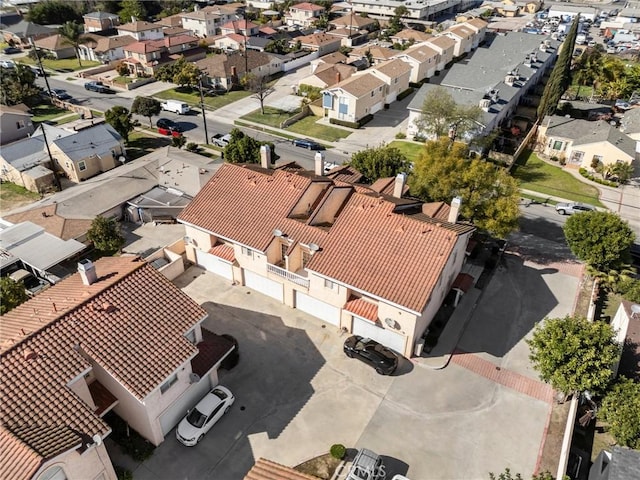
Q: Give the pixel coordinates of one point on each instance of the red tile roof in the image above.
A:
(307, 6)
(48, 218)
(362, 308)
(267, 470)
(18, 460)
(437, 210)
(239, 25)
(345, 173)
(463, 282)
(143, 47)
(223, 251)
(131, 322)
(386, 186)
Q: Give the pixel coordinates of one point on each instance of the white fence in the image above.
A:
(298, 62)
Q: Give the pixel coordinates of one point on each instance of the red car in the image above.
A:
(169, 127)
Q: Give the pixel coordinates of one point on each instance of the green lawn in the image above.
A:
(13, 196)
(308, 126)
(193, 97)
(67, 119)
(44, 113)
(140, 144)
(410, 149)
(65, 65)
(272, 117)
(536, 175)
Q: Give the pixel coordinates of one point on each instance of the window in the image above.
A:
(82, 166)
(247, 252)
(20, 124)
(169, 383)
(557, 145)
(283, 251)
(329, 284)
(306, 256)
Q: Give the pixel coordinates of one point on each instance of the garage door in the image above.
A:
(321, 310)
(377, 107)
(172, 415)
(366, 328)
(263, 285)
(214, 264)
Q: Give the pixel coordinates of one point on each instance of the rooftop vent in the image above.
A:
(510, 80)
(485, 103)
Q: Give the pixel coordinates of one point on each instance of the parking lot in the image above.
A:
(297, 393)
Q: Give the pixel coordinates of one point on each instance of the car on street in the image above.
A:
(573, 207)
(8, 64)
(60, 94)
(11, 50)
(383, 360)
(307, 143)
(37, 71)
(169, 127)
(204, 415)
(97, 87)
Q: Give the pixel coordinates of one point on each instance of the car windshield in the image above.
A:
(220, 394)
(196, 418)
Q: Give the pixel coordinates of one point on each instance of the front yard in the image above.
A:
(141, 143)
(411, 150)
(65, 65)
(192, 97)
(537, 175)
(308, 126)
(13, 196)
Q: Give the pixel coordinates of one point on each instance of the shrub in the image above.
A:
(587, 175)
(192, 147)
(132, 443)
(405, 94)
(344, 123)
(338, 451)
(554, 158)
(122, 473)
(401, 135)
(122, 69)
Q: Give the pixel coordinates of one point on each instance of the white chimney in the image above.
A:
(319, 163)
(87, 271)
(454, 212)
(265, 156)
(398, 185)
(133, 19)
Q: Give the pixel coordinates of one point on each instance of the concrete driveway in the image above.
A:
(297, 394)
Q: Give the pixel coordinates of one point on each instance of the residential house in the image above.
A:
(409, 35)
(175, 31)
(507, 10)
(531, 6)
(395, 74)
(15, 124)
(242, 27)
(99, 21)
(266, 469)
(141, 31)
(206, 22)
(583, 143)
(445, 47)
(299, 239)
(619, 463)
(104, 49)
(144, 58)
(355, 23)
(354, 98)
(630, 123)
(226, 70)
(423, 61)
(230, 41)
(331, 58)
(62, 373)
(626, 324)
(375, 53)
(322, 43)
(497, 77)
(328, 75)
(463, 36)
(57, 46)
(172, 21)
(25, 32)
(479, 26)
(303, 14)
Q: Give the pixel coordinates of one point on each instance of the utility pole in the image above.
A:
(46, 80)
(53, 164)
(204, 114)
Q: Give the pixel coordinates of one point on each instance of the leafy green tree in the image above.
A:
(53, 13)
(490, 196)
(105, 235)
(440, 112)
(629, 288)
(621, 411)
(72, 33)
(132, 8)
(245, 149)
(147, 107)
(17, 85)
(379, 162)
(12, 294)
(573, 354)
(120, 119)
(560, 78)
(179, 141)
(600, 239)
(188, 75)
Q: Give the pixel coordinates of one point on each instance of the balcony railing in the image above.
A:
(292, 277)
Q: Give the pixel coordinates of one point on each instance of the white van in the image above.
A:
(175, 106)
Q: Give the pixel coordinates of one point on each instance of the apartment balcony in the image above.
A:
(287, 275)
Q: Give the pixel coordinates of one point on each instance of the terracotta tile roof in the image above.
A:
(386, 186)
(18, 460)
(236, 37)
(236, 25)
(362, 308)
(47, 218)
(307, 6)
(330, 74)
(463, 282)
(442, 41)
(53, 42)
(174, 40)
(340, 32)
(353, 21)
(438, 210)
(360, 85)
(266, 30)
(105, 44)
(138, 26)
(267, 470)
(175, 30)
(144, 47)
(171, 21)
(394, 257)
(223, 251)
(345, 173)
(393, 68)
(317, 39)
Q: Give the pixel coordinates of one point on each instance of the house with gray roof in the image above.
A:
(582, 143)
(618, 464)
(630, 123)
(497, 78)
(23, 31)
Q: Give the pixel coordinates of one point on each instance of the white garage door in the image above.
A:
(377, 107)
(366, 328)
(263, 285)
(172, 415)
(214, 264)
(321, 310)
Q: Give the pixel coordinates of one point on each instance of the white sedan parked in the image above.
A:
(204, 415)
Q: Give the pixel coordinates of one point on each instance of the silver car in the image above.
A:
(573, 207)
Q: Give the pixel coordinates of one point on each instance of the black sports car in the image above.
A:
(371, 352)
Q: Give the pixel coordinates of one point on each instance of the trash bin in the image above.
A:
(419, 347)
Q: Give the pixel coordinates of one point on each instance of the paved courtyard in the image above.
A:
(297, 393)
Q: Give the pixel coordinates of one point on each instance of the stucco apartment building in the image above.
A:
(368, 263)
(118, 336)
(418, 10)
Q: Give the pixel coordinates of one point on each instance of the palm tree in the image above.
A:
(72, 32)
(623, 171)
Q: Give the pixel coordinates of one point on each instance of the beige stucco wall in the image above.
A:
(446, 55)
(90, 464)
(463, 44)
(81, 389)
(610, 154)
(94, 164)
